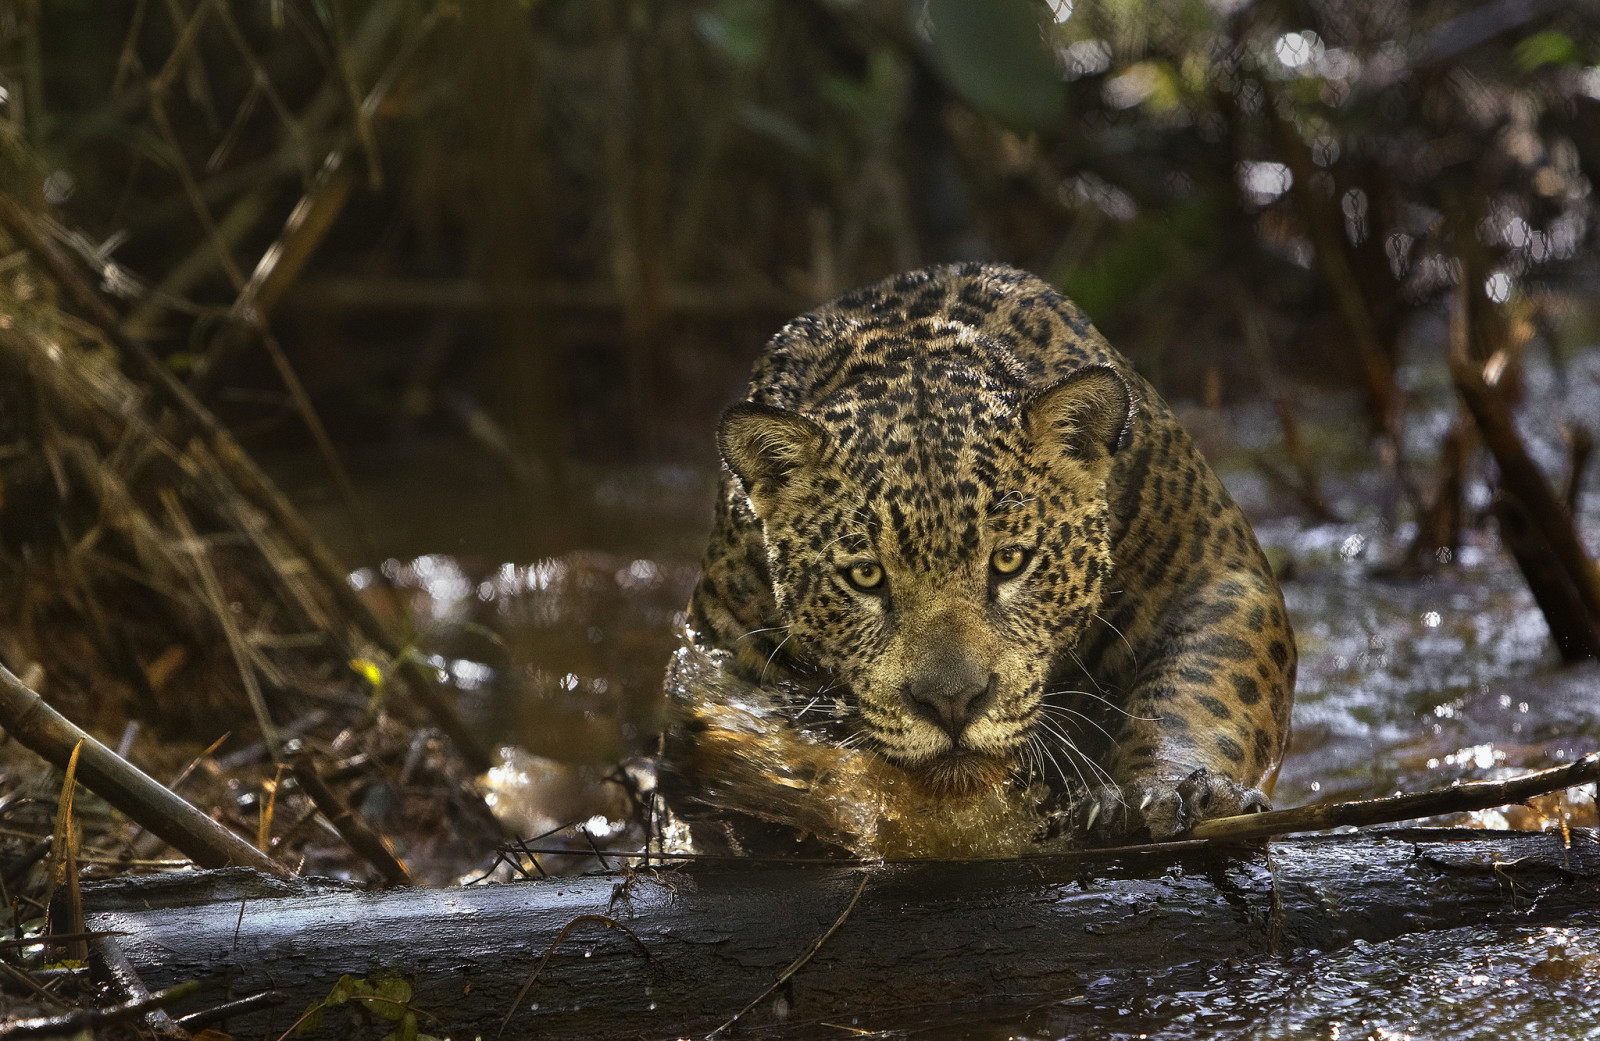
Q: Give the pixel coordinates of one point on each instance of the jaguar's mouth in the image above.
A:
(961, 771)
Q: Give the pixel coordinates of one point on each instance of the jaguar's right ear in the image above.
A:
(766, 447)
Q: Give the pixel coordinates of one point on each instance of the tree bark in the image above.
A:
(677, 952)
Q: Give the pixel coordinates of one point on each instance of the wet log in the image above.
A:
(673, 952)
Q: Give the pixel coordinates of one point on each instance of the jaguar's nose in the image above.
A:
(950, 700)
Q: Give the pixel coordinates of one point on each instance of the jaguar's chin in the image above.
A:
(961, 771)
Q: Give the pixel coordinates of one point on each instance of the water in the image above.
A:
(1534, 982)
(1404, 685)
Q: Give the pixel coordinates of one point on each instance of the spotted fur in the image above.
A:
(953, 502)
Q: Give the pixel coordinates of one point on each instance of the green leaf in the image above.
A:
(389, 997)
(992, 53)
(312, 1020)
(394, 988)
(347, 988)
(1547, 48)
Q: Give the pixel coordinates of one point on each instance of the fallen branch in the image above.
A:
(1458, 798)
(351, 826)
(46, 732)
(921, 941)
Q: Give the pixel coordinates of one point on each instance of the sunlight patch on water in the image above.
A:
(1398, 677)
(1515, 982)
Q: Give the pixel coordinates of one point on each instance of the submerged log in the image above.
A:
(670, 952)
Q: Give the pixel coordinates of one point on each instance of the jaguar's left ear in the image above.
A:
(1086, 414)
(768, 448)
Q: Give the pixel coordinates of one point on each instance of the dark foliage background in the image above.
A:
(552, 233)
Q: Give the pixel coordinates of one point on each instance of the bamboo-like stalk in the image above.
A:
(40, 728)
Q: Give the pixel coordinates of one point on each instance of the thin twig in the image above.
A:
(1309, 488)
(181, 50)
(85, 1019)
(261, 80)
(191, 190)
(211, 590)
(194, 1021)
(798, 963)
(1458, 798)
(24, 979)
(609, 923)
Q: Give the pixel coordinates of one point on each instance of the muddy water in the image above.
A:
(1404, 685)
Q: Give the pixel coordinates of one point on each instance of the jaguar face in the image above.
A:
(937, 555)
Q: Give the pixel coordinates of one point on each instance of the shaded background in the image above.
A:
(505, 243)
(474, 279)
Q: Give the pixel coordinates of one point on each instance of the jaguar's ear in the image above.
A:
(1085, 415)
(766, 447)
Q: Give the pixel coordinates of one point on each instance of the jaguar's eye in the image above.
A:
(1008, 560)
(866, 576)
